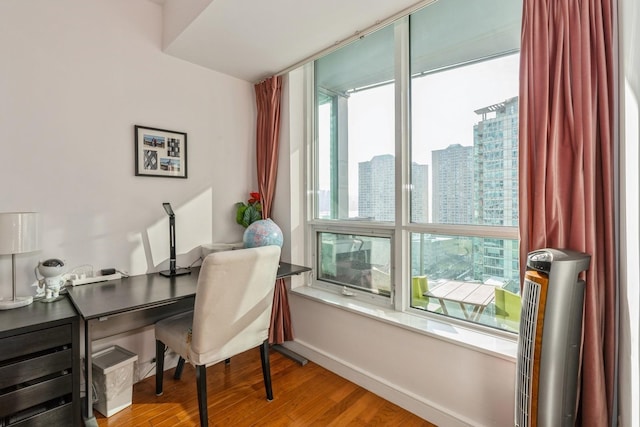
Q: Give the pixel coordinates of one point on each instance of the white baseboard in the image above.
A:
(413, 403)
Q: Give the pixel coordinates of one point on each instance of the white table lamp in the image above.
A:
(18, 234)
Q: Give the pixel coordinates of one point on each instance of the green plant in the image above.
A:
(249, 212)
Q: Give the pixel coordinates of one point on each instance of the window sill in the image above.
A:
(483, 341)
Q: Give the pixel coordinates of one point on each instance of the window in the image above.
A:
(355, 261)
(355, 130)
(458, 219)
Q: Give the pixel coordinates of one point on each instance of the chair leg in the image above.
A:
(160, 348)
(179, 367)
(201, 383)
(266, 369)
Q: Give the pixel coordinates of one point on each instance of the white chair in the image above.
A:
(231, 315)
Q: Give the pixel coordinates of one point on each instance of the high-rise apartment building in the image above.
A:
(452, 185)
(495, 168)
(419, 193)
(376, 191)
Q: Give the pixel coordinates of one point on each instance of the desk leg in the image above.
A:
(89, 418)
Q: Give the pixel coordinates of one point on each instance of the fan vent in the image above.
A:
(525, 365)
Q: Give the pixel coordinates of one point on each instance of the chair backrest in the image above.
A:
(508, 304)
(233, 302)
(419, 285)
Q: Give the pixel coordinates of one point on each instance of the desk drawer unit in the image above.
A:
(38, 375)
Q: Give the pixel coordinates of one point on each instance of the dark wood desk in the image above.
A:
(287, 270)
(40, 365)
(97, 302)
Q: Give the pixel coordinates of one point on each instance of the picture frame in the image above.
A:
(160, 152)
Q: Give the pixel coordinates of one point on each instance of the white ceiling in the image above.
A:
(254, 39)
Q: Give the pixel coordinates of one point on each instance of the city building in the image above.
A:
(419, 192)
(495, 201)
(376, 193)
(453, 185)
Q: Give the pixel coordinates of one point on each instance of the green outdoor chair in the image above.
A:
(419, 286)
(508, 307)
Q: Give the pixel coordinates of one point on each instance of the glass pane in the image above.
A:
(452, 32)
(355, 130)
(355, 261)
(458, 276)
(464, 126)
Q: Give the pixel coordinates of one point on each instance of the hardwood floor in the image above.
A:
(303, 396)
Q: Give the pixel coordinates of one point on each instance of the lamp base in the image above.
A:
(178, 272)
(15, 303)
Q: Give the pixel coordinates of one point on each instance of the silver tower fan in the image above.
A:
(548, 361)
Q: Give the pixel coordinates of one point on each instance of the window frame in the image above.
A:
(355, 229)
(401, 229)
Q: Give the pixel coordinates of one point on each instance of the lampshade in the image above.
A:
(18, 232)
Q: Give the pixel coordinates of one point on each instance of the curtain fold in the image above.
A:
(268, 99)
(566, 167)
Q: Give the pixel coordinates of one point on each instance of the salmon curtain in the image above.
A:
(566, 168)
(268, 98)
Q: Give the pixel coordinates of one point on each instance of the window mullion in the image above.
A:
(402, 157)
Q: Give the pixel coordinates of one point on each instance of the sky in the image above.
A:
(443, 106)
(435, 124)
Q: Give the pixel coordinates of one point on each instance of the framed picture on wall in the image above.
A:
(160, 152)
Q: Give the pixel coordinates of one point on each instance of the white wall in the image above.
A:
(75, 77)
(629, 334)
(288, 208)
(445, 383)
(178, 15)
